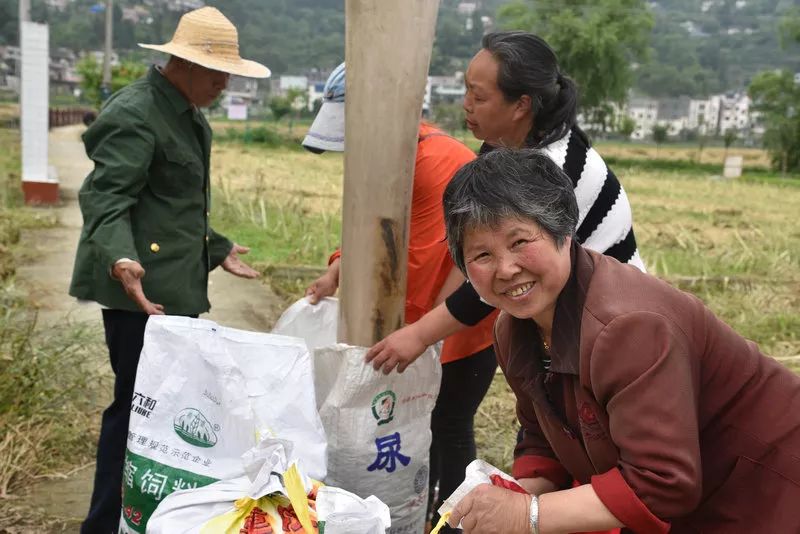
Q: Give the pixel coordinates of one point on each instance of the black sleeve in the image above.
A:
(466, 306)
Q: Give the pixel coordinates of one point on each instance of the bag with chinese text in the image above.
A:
(204, 395)
(378, 426)
(379, 430)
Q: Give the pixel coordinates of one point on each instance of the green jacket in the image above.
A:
(148, 199)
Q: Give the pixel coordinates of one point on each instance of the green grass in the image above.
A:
(48, 409)
(278, 234)
(749, 174)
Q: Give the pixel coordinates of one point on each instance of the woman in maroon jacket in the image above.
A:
(631, 388)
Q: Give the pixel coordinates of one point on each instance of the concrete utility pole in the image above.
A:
(24, 11)
(388, 51)
(107, 55)
(24, 16)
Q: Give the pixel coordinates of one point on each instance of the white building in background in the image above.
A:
(445, 89)
(58, 5)
(467, 8)
(137, 14)
(712, 116)
(240, 90)
(673, 113)
(734, 112)
(10, 53)
(98, 56)
(704, 115)
(285, 83)
(644, 112)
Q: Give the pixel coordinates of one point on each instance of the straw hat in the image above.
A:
(206, 37)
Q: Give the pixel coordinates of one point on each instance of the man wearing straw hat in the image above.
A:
(146, 246)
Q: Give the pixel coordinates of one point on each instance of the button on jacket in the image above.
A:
(148, 199)
(675, 419)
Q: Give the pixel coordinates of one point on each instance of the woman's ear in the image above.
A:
(523, 108)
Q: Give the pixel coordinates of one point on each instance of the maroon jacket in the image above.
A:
(672, 416)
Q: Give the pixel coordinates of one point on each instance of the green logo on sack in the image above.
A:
(194, 428)
(383, 406)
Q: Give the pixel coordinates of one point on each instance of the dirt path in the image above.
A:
(237, 303)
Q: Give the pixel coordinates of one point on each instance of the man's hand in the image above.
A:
(326, 285)
(130, 274)
(488, 509)
(237, 267)
(399, 349)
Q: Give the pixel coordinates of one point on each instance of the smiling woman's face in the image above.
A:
(517, 267)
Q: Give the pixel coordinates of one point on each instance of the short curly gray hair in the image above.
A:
(509, 184)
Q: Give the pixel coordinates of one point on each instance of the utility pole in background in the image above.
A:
(24, 15)
(24, 10)
(106, 87)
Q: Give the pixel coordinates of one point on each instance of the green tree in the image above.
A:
(450, 117)
(659, 136)
(702, 141)
(776, 97)
(298, 102)
(92, 77)
(280, 106)
(728, 139)
(596, 42)
(790, 28)
(626, 126)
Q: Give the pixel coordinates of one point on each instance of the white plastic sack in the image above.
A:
(230, 502)
(204, 395)
(378, 426)
(379, 430)
(342, 512)
(314, 323)
(477, 472)
(233, 501)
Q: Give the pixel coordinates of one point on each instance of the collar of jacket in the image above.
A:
(178, 101)
(565, 347)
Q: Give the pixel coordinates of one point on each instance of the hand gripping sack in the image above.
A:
(378, 426)
(206, 394)
(477, 472)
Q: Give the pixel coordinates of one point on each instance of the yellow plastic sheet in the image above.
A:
(231, 522)
(293, 483)
(442, 522)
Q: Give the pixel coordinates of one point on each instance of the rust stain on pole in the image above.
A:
(390, 279)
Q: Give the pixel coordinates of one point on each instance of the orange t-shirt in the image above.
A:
(439, 156)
